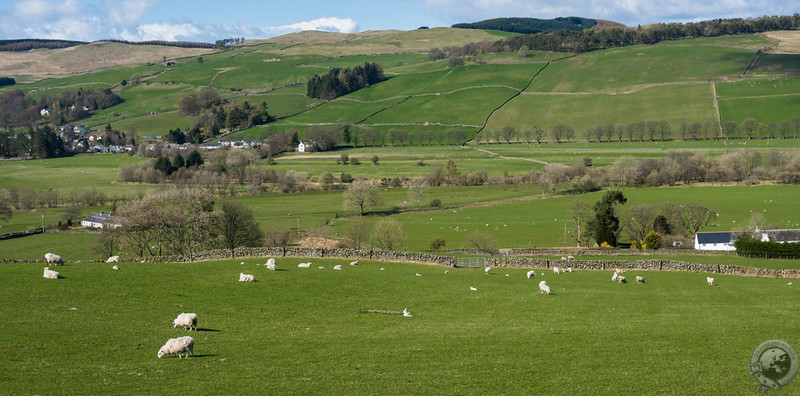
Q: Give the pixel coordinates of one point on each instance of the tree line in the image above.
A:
(213, 113)
(18, 110)
(163, 43)
(612, 37)
(19, 45)
(338, 82)
(228, 42)
(530, 25)
(650, 131)
(40, 142)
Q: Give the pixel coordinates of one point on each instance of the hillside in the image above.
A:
(530, 25)
(705, 80)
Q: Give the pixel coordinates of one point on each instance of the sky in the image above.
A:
(208, 21)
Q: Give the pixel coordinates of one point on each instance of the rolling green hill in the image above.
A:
(705, 80)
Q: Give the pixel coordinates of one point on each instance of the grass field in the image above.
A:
(301, 331)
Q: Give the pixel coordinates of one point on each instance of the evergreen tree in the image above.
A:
(605, 224)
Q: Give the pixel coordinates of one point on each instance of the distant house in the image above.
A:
(301, 148)
(100, 220)
(724, 240)
(45, 112)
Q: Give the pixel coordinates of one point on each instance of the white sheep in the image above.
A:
(304, 265)
(177, 345)
(622, 279)
(53, 259)
(639, 279)
(570, 258)
(615, 276)
(418, 274)
(710, 281)
(556, 270)
(112, 259)
(569, 269)
(50, 274)
(337, 267)
(406, 313)
(354, 262)
(487, 270)
(472, 288)
(246, 277)
(563, 258)
(544, 288)
(185, 320)
(270, 264)
(114, 267)
(531, 274)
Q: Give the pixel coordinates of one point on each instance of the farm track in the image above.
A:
(506, 157)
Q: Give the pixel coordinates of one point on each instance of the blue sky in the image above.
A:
(207, 20)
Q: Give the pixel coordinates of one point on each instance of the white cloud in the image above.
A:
(128, 13)
(332, 24)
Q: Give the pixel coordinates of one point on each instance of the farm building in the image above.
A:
(724, 240)
(301, 148)
(100, 220)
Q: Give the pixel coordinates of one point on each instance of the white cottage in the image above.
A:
(301, 148)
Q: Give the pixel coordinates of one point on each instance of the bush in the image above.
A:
(652, 241)
(346, 178)
(436, 203)
(436, 244)
(355, 161)
(375, 160)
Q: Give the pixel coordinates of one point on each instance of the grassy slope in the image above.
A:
(300, 330)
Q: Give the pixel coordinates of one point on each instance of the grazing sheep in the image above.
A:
(304, 265)
(354, 262)
(487, 269)
(53, 259)
(446, 271)
(639, 279)
(242, 263)
(563, 258)
(418, 274)
(246, 277)
(531, 274)
(270, 264)
(556, 270)
(622, 279)
(569, 269)
(114, 267)
(337, 267)
(177, 345)
(185, 320)
(570, 258)
(615, 276)
(112, 259)
(472, 288)
(406, 313)
(50, 274)
(544, 288)
(619, 271)
(710, 281)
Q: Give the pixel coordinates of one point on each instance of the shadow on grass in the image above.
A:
(215, 330)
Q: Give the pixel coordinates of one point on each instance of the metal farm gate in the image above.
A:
(471, 262)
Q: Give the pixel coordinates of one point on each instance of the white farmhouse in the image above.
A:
(301, 148)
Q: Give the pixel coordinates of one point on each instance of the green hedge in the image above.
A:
(746, 245)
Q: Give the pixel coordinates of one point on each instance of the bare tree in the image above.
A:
(639, 221)
(358, 231)
(538, 134)
(418, 191)
(236, 226)
(362, 195)
(481, 240)
(388, 234)
(107, 242)
(580, 211)
(695, 216)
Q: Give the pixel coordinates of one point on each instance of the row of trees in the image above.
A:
(180, 222)
(28, 198)
(651, 131)
(20, 45)
(338, 82)
(530, 25)
(19, 110)
(41, 142)
(747, 245)
(612, 37)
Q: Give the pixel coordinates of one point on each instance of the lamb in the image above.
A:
(354, 262)
(406, 313)
(556, 270)
(544, 288)
(622, 279)
(615, 276)
(304, 265)
(53, 259)
(246, 277)
(50, 274)
(639, 279)
(570, 258)
(487, 269)
(114, 267)
(270, 264)
(177, 345)
(531, 274)
(112, 259)
(710, 281)
(185, 320)
(337, 267)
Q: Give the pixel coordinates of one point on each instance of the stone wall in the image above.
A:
(12, 235)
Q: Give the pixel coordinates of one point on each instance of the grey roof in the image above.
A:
(714, 237)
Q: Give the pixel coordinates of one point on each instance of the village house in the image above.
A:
(100, 220)
(723, 241)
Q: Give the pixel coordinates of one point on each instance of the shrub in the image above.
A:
(436, 244)
(436, 203)
(652, 241)
(355, 161)
(375, 160)
(346, 178)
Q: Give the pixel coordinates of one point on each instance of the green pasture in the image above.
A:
(303, 331)
(72, 247)
(403, 85)
(463, 107)
(776, 64)
(338, 111)
(767, 109)
(102, 79)
(653, 64)
(512, 76)
(758, 87)
(388, 61)
(709, 259)
(672, 103)
(152, 124)
(70, 173)
(630, 147)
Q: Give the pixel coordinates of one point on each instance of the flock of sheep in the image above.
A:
(185, 345)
